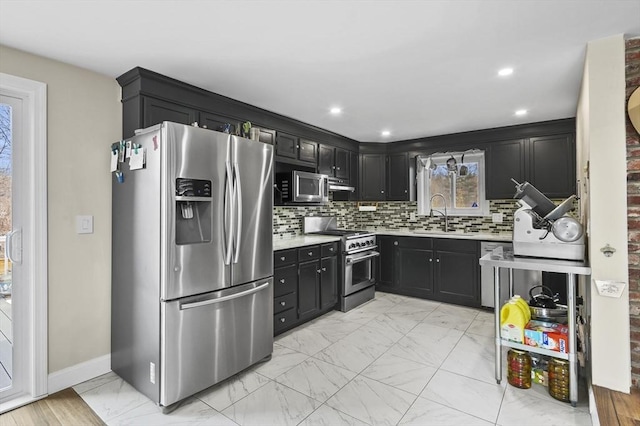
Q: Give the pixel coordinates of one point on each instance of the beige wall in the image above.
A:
(601, 145)
(84, 116)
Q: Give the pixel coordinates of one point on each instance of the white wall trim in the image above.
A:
(34, 95)
(593, 408)
(79, 373)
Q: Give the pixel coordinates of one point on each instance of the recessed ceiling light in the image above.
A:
(335, 110)
(386, 133)
(521, 112)
(505, 72)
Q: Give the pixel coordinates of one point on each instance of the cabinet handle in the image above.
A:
(282, 280)
(324, 269)
(283, 303)
(382, 192)
(405, 191)
(282, 320)
(337, 168)
(395, 243)
(297, 146)
(333, 167)
(430, 260)
(330, 248)
(310, 253)
(318, 271)
(438, 260)
(283, 258)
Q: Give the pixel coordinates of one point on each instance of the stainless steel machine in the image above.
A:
(542, 229)
(192, 267)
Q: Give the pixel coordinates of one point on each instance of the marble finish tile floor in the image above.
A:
(393, 361)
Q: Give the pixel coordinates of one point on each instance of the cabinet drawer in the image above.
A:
(310, 252)
(329, 249)
(285, 280)
(283, 303)
(284, 319)
(465, 246)
(425, 243)
(284, 257)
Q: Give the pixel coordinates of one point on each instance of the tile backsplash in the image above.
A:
(395, 215)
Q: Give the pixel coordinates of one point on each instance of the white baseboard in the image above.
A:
(593, 409)
(79, 373)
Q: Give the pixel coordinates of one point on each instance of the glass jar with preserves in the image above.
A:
(559, 379)
(519, 369)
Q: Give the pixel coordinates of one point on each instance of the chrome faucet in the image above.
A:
(431, 210)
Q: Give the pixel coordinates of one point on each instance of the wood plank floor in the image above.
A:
(617, 408)
(62, 408)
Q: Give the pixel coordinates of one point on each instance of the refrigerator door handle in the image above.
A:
(228, 215)
(238, 211)
(223, 298)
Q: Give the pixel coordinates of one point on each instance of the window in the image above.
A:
(454, 180)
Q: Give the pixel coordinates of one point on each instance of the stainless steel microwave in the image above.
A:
(303, 187)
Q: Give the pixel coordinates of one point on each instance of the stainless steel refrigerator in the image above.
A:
(192, 260)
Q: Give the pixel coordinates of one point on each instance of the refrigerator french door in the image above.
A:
(192, 291)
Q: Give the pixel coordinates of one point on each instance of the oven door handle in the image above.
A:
(356, 259)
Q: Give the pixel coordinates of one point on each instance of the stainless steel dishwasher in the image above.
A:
(522, 280)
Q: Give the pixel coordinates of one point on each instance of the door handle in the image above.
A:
(9, 246)
(228, 215)
(238, 196)
(351, 260)
(184, 306)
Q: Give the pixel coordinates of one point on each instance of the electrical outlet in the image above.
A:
(497, 217)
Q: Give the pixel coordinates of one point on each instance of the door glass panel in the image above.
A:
(6, 327)
(308, 186)
(361, 271)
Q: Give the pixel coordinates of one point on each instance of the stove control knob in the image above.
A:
(351, 245)
(368, 242)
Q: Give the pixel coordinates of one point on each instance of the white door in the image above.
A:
(23, 370)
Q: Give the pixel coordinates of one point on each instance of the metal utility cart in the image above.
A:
(571, 269)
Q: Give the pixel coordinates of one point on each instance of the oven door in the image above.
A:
(359, 271)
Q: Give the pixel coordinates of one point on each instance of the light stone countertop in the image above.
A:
(307, 240)
(301, 241)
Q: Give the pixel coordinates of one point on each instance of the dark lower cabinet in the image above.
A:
(305, 284)
(440, 269)
(328, 282)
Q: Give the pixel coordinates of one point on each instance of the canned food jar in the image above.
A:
(519, 369)
(559, 379)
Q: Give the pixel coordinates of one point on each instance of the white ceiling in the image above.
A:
(416, 68)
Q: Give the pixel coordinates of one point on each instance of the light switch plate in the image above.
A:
(497, 217)
(84, 224)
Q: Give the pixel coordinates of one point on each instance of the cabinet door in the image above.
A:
(308, 151)
(342, 163)
(326, 159)
(328, 282)
(267, 136)
(286, 145)
(552, 165)
(308, 289)
(414, 271)
(505, 160)
(385, 262)
(157, 111)
(456, 278)
(372, 177)
(216, 122)
(398, 177)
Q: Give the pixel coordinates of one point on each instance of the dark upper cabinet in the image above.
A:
(353, 176)
(307, 151)
(286, 145)
(326, 159)
(552, 165)
(216, 122)
(341, 163)
(157, 111)
(398, 177)
(328, 282)
(372, 177)
(547, 162)
(267, 136)
(505, 160)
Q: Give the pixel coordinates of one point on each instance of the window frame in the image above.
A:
(423, 177)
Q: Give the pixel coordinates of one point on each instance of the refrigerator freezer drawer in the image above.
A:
(208, 338)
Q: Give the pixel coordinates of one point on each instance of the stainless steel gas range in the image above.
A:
(357, 260)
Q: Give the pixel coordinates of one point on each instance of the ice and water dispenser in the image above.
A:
(193, 211)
